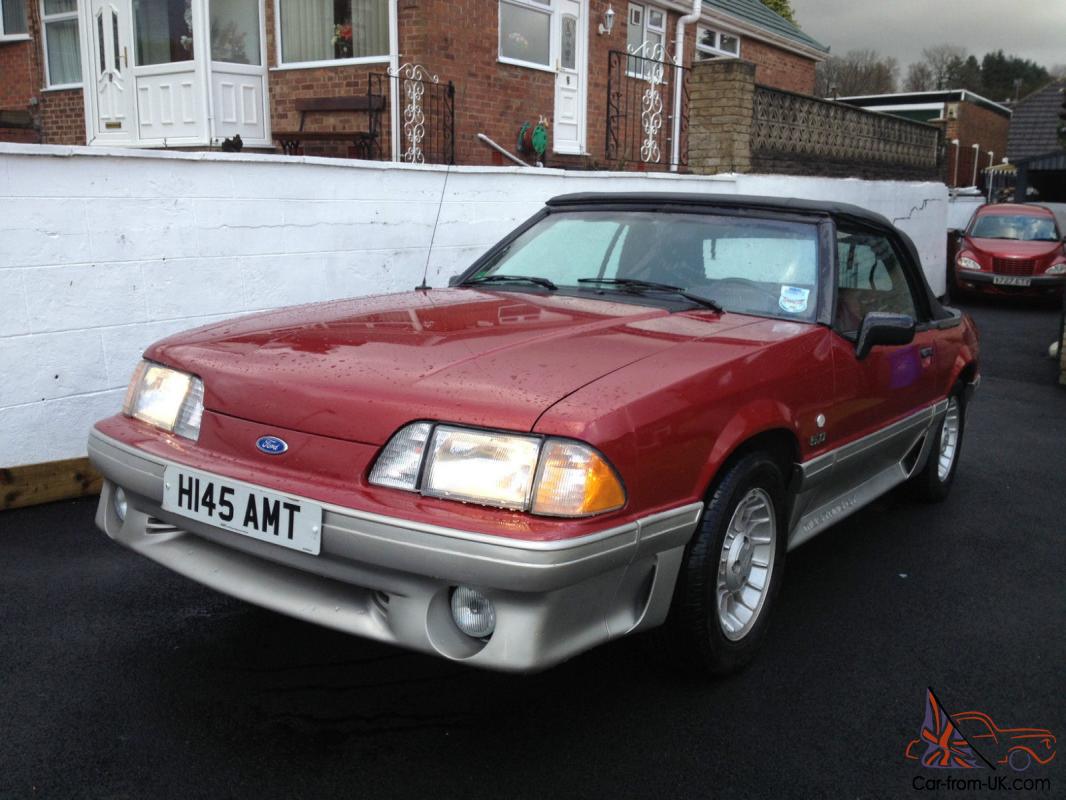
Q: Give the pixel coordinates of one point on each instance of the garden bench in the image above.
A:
(364, 140)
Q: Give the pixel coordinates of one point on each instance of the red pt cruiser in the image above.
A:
(622, 416)
(1011, 249)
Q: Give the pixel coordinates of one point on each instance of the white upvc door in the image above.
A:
(238, 82)
(169, 72)
(109, 111)
(571, 35)
(161, 79)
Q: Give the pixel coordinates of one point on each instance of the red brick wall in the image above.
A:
(59, 116)
(459, 42)
(18, 85)
(973, 125)
(17, 75)
(780, 69)
(62, 117)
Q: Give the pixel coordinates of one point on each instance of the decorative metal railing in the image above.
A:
(426, 131)
(640, 109)
(794, 126)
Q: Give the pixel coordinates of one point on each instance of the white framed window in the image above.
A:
(62, 54)
(645, 37)
(328, 32)
(712, 43)
(13, 20)
(525, 33)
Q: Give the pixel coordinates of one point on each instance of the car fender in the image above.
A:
(760, 416)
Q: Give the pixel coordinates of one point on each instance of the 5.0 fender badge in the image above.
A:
(271, 445)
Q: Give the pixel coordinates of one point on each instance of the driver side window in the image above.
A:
(870, 278)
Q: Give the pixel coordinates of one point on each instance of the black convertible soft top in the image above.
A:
(793, 205)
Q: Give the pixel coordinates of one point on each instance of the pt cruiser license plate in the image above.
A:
(243, 508)
(1010, 280)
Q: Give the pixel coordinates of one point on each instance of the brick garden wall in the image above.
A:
(737, 125)
(779, 68)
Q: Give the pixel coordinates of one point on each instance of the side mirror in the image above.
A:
(454, 280)
(880, 328)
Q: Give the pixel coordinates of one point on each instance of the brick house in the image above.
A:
(189, 73)
(975, 128)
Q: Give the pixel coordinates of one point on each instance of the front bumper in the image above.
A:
(390, 579)
(983, 281)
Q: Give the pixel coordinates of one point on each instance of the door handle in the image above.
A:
(125, 59)
(926, 352)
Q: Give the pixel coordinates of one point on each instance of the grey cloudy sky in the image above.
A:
(1034, 29)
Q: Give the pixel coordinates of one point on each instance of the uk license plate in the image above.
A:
(243, 508)
(1011, 280)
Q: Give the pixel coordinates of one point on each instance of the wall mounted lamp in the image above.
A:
(608, 21)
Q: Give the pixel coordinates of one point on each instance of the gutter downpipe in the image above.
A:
(679, 60)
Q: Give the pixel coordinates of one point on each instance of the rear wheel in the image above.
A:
(933, 483)
(732, 569)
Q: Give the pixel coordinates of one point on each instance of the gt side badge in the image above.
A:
(818, 438)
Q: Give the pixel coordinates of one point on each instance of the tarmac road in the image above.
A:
(120, 679)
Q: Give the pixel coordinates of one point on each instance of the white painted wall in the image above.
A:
(104, 251)
(960, 210)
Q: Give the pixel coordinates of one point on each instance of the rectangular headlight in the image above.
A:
(166, 398)
(481, 467)
(547, 476)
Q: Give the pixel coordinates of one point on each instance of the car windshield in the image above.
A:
(1015, 226)
(751, 265)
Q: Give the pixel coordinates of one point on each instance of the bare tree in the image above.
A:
(857, 72)
(946, 62)
(919, 78)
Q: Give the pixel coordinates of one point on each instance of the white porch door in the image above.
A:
(238, 72)
(571, 21)
(112, 82)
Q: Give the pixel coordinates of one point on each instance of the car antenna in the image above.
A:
(424, 287)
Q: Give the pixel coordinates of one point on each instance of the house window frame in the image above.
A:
(281, 65)
(711, 53)
(545, 8)
(60, 17)
(646, 10)
(22, 36)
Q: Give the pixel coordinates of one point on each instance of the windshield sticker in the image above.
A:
(794, 299)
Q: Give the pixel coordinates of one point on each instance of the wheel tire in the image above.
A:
(1019, 760)
(933, 483)
(695, 633)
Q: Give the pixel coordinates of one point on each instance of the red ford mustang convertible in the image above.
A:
(621, 417)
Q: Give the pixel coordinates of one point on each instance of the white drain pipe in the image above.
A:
(679, 60)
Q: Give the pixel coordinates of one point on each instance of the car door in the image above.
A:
(880, 405)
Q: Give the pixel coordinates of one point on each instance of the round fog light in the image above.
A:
(472, 612)
(120, 503)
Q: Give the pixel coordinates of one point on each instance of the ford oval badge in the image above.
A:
(271, 445)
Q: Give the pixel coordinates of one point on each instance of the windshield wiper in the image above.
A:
(543, 282)
(639, 287)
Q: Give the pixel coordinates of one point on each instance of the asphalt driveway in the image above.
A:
(121, 679)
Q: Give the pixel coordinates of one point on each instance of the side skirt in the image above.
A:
(836, 484)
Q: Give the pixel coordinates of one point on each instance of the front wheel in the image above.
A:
(732, 569)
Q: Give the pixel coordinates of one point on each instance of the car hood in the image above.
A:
(1013, 248)
(360, 369)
